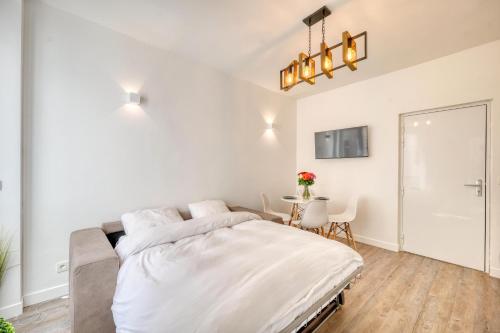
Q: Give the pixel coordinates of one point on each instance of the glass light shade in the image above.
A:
(349, 52)
(326, 61)
(307, 68)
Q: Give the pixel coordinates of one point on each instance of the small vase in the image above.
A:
(306, 195)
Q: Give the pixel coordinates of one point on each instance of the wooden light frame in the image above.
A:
(304, 60)
(326, 57)
(292, 70)
(349, 46)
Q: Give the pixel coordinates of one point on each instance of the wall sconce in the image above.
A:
(349, 53)
(270, 126)
(133, 98)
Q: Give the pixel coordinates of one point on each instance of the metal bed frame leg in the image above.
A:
(341, 298)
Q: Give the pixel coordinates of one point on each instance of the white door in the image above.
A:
(444, 172)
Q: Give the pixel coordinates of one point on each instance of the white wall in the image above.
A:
(10, 150)
(199, 134)
(467, 76)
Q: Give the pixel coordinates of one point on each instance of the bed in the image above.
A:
(231, 272)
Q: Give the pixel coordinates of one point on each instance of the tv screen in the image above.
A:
(342, 143)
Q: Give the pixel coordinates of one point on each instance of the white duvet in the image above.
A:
(229, 272)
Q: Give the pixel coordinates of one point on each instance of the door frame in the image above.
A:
(402, 116)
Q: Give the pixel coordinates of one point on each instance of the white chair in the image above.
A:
(341, 222)
(266, 207)
(314, 217)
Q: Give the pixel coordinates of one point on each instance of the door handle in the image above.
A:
(479, 187)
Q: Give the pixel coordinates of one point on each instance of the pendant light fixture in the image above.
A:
(305, 68)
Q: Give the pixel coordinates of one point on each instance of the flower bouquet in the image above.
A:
(306, 179)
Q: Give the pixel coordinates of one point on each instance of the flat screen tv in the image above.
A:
(342, 143)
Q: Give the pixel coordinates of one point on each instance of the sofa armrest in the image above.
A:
(93, 271)
(111, 227)
(263, 215)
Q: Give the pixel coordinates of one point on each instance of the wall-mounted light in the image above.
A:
(133, 98)
(270, 126)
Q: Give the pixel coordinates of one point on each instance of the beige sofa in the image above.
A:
(93, 272)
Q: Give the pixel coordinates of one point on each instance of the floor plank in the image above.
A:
(437, 309)
(404, 313)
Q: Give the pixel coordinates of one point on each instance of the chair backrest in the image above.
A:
(266, 205)
(315, 214)
(351, 208)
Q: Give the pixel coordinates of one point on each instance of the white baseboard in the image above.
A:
(11, 311)
(45, 294)
(378, 243)
(375, 242)
(495, 272)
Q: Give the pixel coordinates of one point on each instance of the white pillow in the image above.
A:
(149, 218)
(207, 207)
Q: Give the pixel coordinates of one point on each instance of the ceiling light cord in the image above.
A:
(323, 29)
(309, 51)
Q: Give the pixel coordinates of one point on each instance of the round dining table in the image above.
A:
(297, 201)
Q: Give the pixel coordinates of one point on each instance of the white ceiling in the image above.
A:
(254, 39)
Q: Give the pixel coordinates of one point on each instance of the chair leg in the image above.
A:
(322, 231)
(343, 228)
(349, 231)
(334, 230)
(330, 231)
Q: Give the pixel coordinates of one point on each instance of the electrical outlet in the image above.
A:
(62, 266)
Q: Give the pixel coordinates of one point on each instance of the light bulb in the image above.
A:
(306, 71)
(289, 78)
(351, 54)
(328, 63)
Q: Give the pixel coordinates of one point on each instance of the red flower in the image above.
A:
(306, 178)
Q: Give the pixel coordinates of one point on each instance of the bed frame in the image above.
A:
(318, 314)
(93, 272)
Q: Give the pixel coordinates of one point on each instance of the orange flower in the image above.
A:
(306, 178)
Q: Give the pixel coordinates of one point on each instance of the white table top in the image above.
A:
(300, 200)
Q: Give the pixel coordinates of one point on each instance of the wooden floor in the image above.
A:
(403, 292)
(48, 317)
(397, 292)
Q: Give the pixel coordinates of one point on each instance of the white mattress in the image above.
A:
(225, 273)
